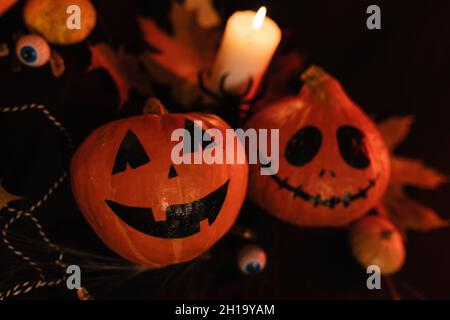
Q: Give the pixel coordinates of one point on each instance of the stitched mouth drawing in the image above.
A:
(182, 220)
(346, 200)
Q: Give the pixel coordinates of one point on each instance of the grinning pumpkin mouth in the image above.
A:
(182, 220)
(346, 200)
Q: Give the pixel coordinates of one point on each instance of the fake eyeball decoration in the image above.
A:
(33, 50)
(252, 259)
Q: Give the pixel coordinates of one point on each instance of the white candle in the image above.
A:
(248, 44)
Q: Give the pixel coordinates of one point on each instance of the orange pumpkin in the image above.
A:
(376, 241)
(144, 207)
(49, 19)
(333, 163)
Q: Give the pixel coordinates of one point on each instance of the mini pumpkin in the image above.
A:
(144, 207)
(333, 164)
(376, 241)
(49, 19)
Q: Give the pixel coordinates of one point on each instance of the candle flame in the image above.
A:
(259, 18)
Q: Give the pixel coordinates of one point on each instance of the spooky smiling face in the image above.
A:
(144, 207)
(334, 166)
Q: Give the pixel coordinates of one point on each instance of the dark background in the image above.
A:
(402, 69)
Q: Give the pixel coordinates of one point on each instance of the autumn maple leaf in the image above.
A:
(405, 212)
(6, 197)
(177, 58)
(124, 68)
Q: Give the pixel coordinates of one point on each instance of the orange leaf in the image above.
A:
(413, 172)
(405, 212)
(123, 68)
(57, 64)
(207, 17)
(6, 197)
(173, 56)
(180, 56)
(394, 130)
(408, 214)
(190, 48)
(187, 31)
(4, 50)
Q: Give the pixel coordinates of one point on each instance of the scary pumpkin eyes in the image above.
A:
(353, 147)
(130, 152)
(303, 146)
(306, 142)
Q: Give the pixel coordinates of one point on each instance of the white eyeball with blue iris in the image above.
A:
(252, 259)
(33, 50)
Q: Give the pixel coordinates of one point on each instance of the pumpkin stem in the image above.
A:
(154, 106)
(313, 75)
(322, 86)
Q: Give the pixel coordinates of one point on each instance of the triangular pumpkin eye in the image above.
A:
(190, 126)
(172, 172)
(130, 152)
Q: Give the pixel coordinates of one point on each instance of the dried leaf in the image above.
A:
(57, 64)
(83, 294)
(180, 56)
(5, 5)
(6, 197)
(395, 129)
(186, 30)
(177, 59)
(124, 68)
(207, 16)
(407, 213)
(4, 50)
(414, 173)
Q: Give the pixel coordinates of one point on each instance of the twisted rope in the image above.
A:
(27, 286)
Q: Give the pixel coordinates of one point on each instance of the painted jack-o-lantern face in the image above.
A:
(144, 207)
(333, 162)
